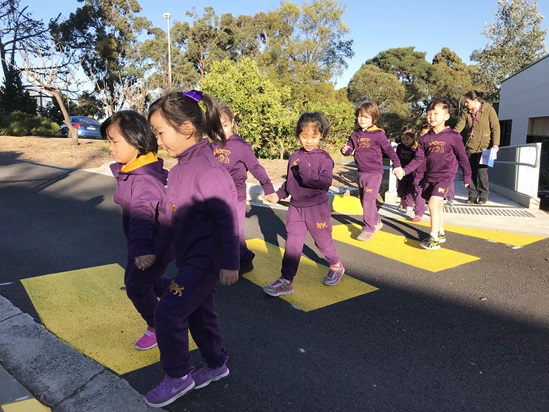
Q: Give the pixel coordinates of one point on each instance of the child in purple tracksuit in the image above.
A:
(408, 188)
(204, 229)
(442, 150)
(309, 178)
(367, 144)
(238, 157)
(141, 192)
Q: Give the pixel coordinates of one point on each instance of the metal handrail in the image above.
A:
(538, 153)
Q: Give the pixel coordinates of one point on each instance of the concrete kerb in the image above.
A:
(58, 375)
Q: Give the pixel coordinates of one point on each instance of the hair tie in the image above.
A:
(194, 94)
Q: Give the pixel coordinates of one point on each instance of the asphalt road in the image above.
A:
(474, 336)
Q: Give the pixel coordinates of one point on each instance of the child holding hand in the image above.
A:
(442, 150)
(367, 144)
(309, 178)
(238, 157)
(204, 229)
(408, 188)
(141, 193)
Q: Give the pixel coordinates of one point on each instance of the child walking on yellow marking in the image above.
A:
(238, 157)
(204, 229)
(366, 144)
(309, 178)
(140, 192)
(408, 189)
(442, 149)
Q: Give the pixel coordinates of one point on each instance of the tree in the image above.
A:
(52, 77)
(369, 82)
(304, 47)
(516, 41)
(414, 72)
(20, 33)
(257, 104)
(13, 96)
(454, 76)
(104, 34)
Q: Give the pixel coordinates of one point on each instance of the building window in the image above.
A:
(505, 135)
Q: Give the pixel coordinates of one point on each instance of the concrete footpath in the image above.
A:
(34, 361)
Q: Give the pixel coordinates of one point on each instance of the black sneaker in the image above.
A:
(470, 201)
(481, 202)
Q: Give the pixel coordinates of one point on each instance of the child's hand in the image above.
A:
(466, 184)
(144, 262)
(228, 276)
(345, 149)
(272, 198)
(399, 172)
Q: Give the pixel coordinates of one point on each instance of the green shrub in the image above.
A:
(23, 124)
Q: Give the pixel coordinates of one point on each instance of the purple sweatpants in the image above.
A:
(143, 287)
(315, 220)
(368, 188)
(189, 305)
(246, 255)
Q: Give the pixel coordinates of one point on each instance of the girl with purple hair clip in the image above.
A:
(204, 231)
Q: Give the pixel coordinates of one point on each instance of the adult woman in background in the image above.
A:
(481, 123)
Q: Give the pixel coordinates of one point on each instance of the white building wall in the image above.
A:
(523, 96)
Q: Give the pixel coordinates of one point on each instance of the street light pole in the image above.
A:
(167, 17)
(459, 100)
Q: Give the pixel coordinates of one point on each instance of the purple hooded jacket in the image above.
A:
(367, 147)
(202, 206)
(442, 152)
(238, 157)
(309, 178)
(141, 193)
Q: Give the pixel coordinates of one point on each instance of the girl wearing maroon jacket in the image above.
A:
(309, 178)
(366, 144)
(204, 229)
(238, 157)
(141, 193)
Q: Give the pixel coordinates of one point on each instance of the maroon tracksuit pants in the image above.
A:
(189, 305)
(299, 221)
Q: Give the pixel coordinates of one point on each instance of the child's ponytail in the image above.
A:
(212, 120)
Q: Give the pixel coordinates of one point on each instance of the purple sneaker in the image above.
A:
(147, 341)
(169, 390)
(204, 376)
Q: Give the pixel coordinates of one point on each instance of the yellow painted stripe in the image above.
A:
(347, 204)
(87, 309)
(309, 291)
(401, 249)
(507, 238)
(28, 405)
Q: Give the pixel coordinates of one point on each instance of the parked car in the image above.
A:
(86, 127)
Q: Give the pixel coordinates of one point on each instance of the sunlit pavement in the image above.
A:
(461, 328)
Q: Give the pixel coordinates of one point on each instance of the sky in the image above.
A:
(374, 26)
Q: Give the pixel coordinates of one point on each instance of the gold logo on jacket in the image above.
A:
(174, 207)
(436, 146)
(321, 225)
(176, 289)
(368, 190)
(363, 142)
(222, 155)
(441, 190)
